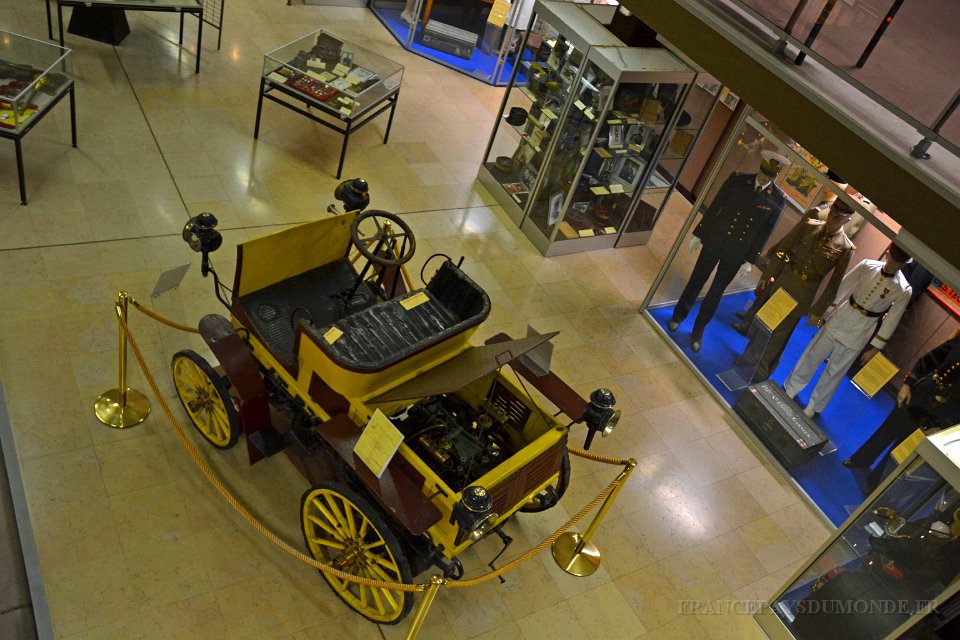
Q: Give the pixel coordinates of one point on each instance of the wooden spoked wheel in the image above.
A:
(204, 396)
(341, 529)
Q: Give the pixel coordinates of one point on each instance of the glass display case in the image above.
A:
(333, 74)
(34, 77)
(575, 148)
(477, 37)
(890, 565)
(346, 83)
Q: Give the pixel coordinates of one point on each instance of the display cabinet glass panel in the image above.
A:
(889, 565)
(33, 77)
(333, 74)
(662, 181)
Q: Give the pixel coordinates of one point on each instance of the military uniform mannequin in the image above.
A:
(816, 212)
(873, 290)
(809, 252)
(929, 397)
(733, 230)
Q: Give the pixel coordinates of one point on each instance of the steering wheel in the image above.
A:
(386, 237)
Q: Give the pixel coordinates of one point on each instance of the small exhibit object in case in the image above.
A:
(779, 423)
(449, 39)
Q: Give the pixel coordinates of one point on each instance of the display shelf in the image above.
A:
(34, 77)
(342, 81)
(611, 106)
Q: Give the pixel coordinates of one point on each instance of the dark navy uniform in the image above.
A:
(733, 231)
(934, 402)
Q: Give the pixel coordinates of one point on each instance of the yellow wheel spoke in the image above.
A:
(326, 526)
(336, 524)
(326, 542)
(351, 524)
(363, 596)
(380, 574)
(387, 563)
(363, 529)
(376, 599)
(373, 545)
(337, 515)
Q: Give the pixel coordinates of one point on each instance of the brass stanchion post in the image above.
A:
(122, 407)
(435, 583)
(574, 552)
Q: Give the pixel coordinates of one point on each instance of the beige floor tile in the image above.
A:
(552, 622)
(769, 543)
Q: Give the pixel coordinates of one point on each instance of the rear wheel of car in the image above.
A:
(341, 529)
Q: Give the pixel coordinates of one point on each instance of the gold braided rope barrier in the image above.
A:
(605, 496)
(159, 318)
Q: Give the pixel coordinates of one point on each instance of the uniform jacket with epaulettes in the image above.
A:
(739, 221)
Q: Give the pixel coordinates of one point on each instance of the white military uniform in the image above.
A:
(863, 296)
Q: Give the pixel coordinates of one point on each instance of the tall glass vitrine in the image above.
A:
(575, 149)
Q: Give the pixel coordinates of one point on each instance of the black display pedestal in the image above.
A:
(103, 24)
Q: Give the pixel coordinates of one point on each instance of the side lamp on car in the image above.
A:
(201, 234)
(600, 415)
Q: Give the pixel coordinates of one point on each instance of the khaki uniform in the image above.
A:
(798, 264)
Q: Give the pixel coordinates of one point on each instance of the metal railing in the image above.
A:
(820, 30)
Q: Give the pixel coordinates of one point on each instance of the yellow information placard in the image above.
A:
(378, 443)
(332, 335)
(550, 114)
(616, 188)
(603, 153)
(600, 191)
(875, 374)
(341, 69)
(585, 233)
(903, 450)
(415, 300)
(776, 309)
(609, 229)
(498, 13)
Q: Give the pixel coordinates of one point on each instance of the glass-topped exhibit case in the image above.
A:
(33, 77)
(333, 74)
(349, 86)
(890, 565)
(574, 149)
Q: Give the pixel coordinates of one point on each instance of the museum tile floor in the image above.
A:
(135, 544)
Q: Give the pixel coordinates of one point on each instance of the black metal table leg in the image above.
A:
(23, 184)
(60, 21)
(199, 38)
(343, 149)
(49, 22)
(256, 129)
(73, 115)
(180, 41)
(386, 136)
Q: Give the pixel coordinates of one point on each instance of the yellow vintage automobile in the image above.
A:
(315, 346)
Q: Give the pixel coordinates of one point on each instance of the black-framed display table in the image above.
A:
(341, 85)
(34, 77)
(193, 7)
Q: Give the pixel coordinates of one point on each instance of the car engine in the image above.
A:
(459, 443)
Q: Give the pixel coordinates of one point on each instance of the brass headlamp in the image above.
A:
(473, 513)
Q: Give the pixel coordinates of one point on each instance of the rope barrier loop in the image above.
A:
(429, 587)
